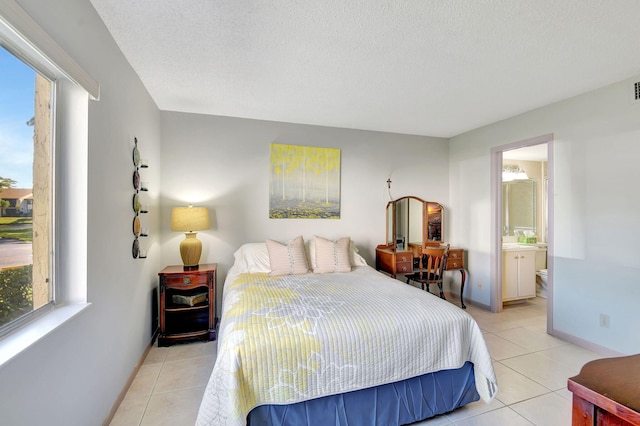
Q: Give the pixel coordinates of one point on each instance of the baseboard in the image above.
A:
(127, 385)
(586, 344)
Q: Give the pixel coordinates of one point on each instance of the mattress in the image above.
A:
(294, 338)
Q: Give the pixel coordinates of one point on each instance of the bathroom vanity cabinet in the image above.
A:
(518, 274)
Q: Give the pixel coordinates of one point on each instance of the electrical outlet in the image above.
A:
(479, 285)
(635, 91)
(604, 320)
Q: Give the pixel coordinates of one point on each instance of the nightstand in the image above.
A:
(187, 304)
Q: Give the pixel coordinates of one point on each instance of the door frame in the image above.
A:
(496, 223)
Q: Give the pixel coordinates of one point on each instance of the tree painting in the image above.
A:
(305, 182)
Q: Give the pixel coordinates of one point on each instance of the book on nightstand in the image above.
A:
(189, 300)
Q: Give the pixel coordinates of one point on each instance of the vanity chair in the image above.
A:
(434, 261)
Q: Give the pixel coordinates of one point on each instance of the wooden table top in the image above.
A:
(179, 269)
(615, 378)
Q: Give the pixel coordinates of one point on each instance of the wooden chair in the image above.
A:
(434, 260)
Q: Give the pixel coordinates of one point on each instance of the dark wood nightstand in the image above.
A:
(187, 303)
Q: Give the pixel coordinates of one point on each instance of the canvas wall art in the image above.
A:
(305, 182)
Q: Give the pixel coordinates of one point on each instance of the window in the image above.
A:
(59, 98)
(26, 284)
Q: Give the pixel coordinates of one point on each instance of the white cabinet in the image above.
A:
(518, 274)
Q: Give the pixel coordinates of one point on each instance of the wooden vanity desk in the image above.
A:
(395, 263)
(607, 392)
(413, 224)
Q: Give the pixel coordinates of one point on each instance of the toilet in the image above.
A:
(541, 283)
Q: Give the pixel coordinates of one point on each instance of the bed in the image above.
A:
(339, 344)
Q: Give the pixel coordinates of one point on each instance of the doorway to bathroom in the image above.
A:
(522, 206)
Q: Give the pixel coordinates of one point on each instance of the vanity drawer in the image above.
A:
(185, 280)
(404, 262)
(404, 267)
(404, 256)
(455, 259)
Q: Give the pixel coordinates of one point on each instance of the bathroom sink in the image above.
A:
(518, 246)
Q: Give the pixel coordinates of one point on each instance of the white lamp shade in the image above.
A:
(189, 219)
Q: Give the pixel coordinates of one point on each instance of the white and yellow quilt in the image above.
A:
(292, 338)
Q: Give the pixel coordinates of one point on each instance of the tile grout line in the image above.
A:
(153, 388)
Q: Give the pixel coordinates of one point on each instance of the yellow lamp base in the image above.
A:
(190, 250)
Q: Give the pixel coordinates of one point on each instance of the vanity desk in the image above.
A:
(413, 225)
(395, 262)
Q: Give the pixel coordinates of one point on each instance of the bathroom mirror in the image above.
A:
(518, 207)
(413, 223)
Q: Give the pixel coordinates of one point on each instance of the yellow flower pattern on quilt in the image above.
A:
(274, 313)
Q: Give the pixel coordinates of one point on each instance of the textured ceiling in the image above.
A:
(426, 67)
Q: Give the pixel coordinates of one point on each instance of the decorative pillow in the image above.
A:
(354, 257)
(287, 259)
(332, 256)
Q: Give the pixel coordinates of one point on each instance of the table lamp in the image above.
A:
(188, 220)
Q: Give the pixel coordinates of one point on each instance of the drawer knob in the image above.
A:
(455, 265)
(454, 255)
(186, 280)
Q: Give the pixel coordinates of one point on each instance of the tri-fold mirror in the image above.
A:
(413, 223)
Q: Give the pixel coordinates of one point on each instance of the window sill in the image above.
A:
(13, 344)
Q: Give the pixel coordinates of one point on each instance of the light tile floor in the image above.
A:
(532, 369)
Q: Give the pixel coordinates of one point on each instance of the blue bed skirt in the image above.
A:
(397, 403)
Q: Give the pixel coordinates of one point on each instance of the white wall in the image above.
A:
(223, 163)
(596, 151)
(74, 375)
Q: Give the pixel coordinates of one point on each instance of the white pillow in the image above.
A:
(331, 256)
(356, 259)
(287, 259)
(252, 257)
